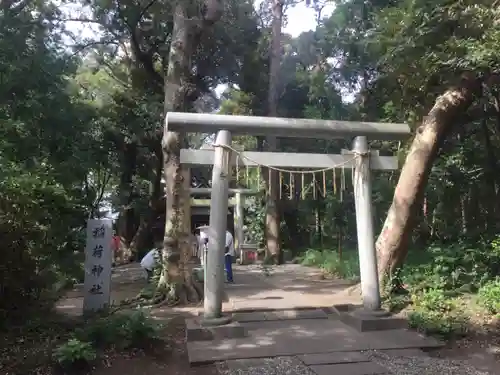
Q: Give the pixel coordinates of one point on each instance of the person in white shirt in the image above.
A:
(149, 262)
(228, 251)
(228, 256)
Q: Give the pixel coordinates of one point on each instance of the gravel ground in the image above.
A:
(264, 366)
(423, 365)
(397, 365)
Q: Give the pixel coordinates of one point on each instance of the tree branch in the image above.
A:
(145, 58)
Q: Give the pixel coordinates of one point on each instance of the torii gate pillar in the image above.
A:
(364, 224)
(214, 266)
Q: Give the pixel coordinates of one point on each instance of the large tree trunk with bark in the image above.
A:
(142, 238)
(271, 177)
(392, 243)
(126, 223)
(177, 280)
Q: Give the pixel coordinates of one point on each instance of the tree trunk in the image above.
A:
(273, 240)
(142, 238)
(177, 283)
(126, 224)
(291, 221)
(425, 227)
(490, 171)
(290, 210)
(393, 240)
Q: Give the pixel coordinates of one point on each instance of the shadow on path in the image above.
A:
(288, 286)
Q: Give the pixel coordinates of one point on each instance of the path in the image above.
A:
(126, 282)
(285, 287)
(288, 323)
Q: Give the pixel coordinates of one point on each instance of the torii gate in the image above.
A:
(237, 202)
(360, 158)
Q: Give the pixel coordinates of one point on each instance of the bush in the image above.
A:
(458, 267)
(436, 313)
(39, 228)
(120, 330)
(489, 296)
(329, 261)
(434, 300)
(432, 322)
(74, 353)
(396, 302)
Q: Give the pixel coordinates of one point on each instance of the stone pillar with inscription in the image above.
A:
(98, 261)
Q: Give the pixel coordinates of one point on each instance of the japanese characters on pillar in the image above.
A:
(98, 260)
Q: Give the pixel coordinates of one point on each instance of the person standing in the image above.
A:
(228, 256)
(228, 251)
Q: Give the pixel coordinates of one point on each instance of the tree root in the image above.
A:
(177, 295)
(170, 296)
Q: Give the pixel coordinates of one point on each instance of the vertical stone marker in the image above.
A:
(98, 260)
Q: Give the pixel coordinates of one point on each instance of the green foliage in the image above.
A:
(346, 267)
(457, 267)
(120, 330)
(78, 343)
(441, 279)
(395, 303)
(489, 296)
(74, 353)
(46, 189)
(255, 218)
(436, 313)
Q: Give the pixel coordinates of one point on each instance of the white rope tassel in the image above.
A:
(355, 163)
(288, 170)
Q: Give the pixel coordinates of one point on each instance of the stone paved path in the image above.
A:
(287, 286)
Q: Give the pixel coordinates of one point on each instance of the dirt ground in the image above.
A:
(27, 350)
(30, 355)
(481, 349)
(170, 360)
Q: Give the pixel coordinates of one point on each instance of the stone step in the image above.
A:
(288, 314)
(299, 337)
(333, 358)
(195, 331)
